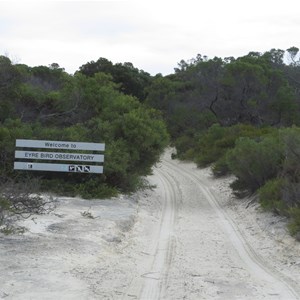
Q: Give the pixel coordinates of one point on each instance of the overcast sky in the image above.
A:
(153, 35)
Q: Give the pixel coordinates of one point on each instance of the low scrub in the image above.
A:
(264, 160)
(270, 196)
(255, 162)
(208, 147)
(294, 225)
(21, 200)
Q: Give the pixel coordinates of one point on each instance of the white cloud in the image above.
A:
(153, 35)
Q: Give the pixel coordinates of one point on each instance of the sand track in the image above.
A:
(275, 283)
(185, 239)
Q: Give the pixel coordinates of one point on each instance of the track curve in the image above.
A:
(197, 251)
(283, 287)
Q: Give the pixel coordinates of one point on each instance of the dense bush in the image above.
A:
(270, 196)
(265, 160)
(294, 225)
(233, 114)
(49, 104)
(255, 162)
(211, 146)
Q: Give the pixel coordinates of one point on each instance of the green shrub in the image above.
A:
(255, 162)
(270, 196)
(92, 189)
(294, 225)
(290, 138)
(220, 167)
(185, 146)
(210, 146)
(217, 140)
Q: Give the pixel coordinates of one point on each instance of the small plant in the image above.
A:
(87, 214)
(294, 226)
(10, 229)
(20, 199)
(270, 196)
(220, 167)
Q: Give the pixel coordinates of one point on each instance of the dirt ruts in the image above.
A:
(186, 238)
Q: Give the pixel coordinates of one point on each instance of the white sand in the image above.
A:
(188, 238)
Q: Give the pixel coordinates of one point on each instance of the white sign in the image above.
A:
(30, 166)
(60, 145)
(59, 156)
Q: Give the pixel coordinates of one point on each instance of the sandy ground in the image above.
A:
(187, 238)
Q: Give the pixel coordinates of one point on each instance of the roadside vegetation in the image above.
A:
(17, 201)
(46, 103)
(239, 115)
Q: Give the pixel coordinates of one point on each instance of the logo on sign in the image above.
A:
(86, 169)
(72, 169)
(79, 169)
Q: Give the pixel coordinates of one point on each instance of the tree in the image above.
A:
(275, 56)
(257, 92)
(293, 51)
(9, 79)
(9, 75)
(131, 81)
(47, 103)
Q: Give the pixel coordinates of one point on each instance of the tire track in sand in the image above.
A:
(165, 246)
(254, 263)
(152, 284)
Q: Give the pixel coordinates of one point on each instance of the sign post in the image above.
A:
(74, 157)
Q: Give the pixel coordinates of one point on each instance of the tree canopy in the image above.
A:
(47, 103)
(239, 114)
(130, 80)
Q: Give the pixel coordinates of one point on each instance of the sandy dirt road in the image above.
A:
(187, 238)
(212, 254)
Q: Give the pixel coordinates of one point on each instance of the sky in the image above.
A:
(153, 35)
